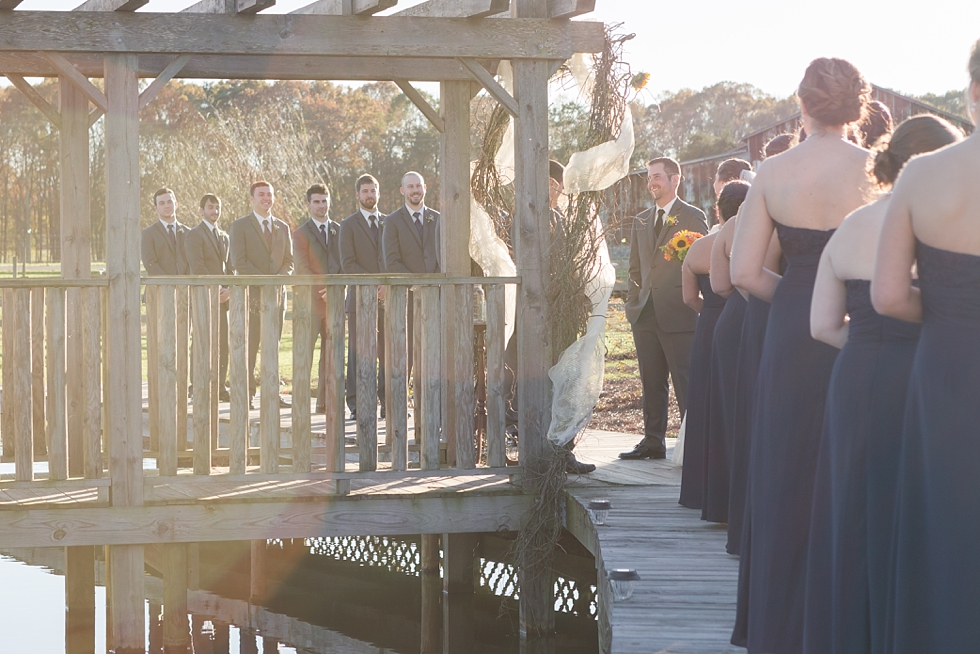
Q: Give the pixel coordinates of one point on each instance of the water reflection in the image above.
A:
(317, 596)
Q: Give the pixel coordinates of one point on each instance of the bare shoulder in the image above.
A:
(699, 256)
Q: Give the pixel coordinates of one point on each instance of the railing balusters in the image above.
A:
(166, 310)
(396, 381)
(302, 362)
(57, 433)
(367, 376)
(153, 397)
(334, 380)
(269, 417)
(215, 370)
(41, 442)
(91, 302)
(201, 316)
(462, 376)
(18, 398)
(238, 379)
(431, 368)
(496, 393)
(183, 327)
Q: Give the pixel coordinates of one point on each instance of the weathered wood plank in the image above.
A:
(80, 595)
(167, 74)
(464, 398)
(431, 356)
(65, 69)
(201, 316)
(498, 92)
(110, 5)
(6, 431)
(91, 395)
(124, 591)
(214, 365)
(36, 99)
(57, 432)
(396, 380)
(302, 363)
(334, 379)
(238, 378)
(42, 443)
(431, 114)
(346, 7)
(356, 516)
(175, 633)
(152, 346)
(290, 34)
(269, 415)
(569, 8)
(167, 378)
(124, 419)
(433, 279)
(496, 393)
(183, 330)
(456, 8)
(18, 397)
(367, 377)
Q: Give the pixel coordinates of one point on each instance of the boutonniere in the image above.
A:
(429, 218)
(333, 231)
(670, 221)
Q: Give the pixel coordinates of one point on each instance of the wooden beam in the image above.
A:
(293, 34)
(110, 5)
(419, 101)
(569, 8)
(339, 7)
(456, 8)
(218, 66)
(353, 516)
(9, 4)
(36, 99)
(494, 88)
(64, 67)
(167, 74)
(229, 6)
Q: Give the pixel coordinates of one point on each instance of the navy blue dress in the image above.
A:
(937, 567)
(695, 433)
(749, 354)
(794, 374)
(721, 409)
(852, 526)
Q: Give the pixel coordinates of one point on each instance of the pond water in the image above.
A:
(320, 596)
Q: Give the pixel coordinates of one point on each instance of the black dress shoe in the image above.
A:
(642, 451)
(575, 467)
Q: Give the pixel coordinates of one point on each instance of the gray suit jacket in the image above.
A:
(404, 251)
(250, 255)
(207, 255)
(653, 278)
(160, 258)
(359, 253)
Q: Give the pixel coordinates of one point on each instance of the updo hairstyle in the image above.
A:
(918, 134)
(730, 169)
(975, 63)
(779, 144)
(834, 92)
(731, 198)
(875, 125)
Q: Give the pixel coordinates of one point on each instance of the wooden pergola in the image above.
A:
(455, 42)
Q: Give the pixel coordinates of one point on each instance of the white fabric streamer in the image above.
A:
(677, 458)
(490, 252)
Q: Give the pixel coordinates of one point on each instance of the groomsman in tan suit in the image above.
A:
(361, 254)
(261, 244)
(162, 243)
(411, 240)
(207, 249)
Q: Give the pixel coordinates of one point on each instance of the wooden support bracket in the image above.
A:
(168, 73)
(65, 67)
(229, 6)
(457, 8)
(498, 92)
(36, 99)
(9, 4)
(110, 5)
(345, 7)
(569, 8)
(422, 104)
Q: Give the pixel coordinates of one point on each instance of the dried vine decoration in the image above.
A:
(489, 189)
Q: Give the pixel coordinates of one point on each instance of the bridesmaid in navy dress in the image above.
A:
(749, 353)
(933, 220)
(803, 195)
(852, 525)
(697, 293)
(724, 362)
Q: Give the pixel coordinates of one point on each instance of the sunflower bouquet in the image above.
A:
(679, 244)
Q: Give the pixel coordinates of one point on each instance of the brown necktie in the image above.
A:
(267, 233)
(659, 224)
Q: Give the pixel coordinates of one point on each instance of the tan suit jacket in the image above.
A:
(160, 257)
(250, 255)
(651, 277)
(404, 251)
(207, 254)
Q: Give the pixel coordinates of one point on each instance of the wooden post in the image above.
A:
(531, 230)
(57, 435)
(238, 379)
(454, 171)
(458, 558)
(201, 315)
(431, 366)
(183, 324)
(334, 381)
(302, 363)
(396, 381)
(367, 377)
(91, 346)
(79, 600)
(215, 365)
(257, 571)
(6, 431)
(496, 396)
(18, 397)
(431, 643)
(124, 425)
(152, 364)
(175, 632)
(166, 312)
(41, 436)
(269, 423)
(76, 237)
(457, 623)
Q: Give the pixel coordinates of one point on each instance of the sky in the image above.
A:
(912, 47)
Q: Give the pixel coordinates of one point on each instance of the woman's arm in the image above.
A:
(752, 235)
(689, 287)
(892, 293)
(721, 269)
(828, 309)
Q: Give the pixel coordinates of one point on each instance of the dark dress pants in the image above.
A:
(659, 354)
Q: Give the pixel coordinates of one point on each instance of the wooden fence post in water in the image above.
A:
(238, 379)
(176, 636)
(201, 316)
(57, 434)
(367, 377)
(431, 595)
(79, 600)
(302, 363)
(396, 380)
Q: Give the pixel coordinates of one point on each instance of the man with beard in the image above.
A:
(361, 254)
(162, 243)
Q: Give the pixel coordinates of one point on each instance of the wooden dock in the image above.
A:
(684, 602)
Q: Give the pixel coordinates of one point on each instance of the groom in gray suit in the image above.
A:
(663, 326)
